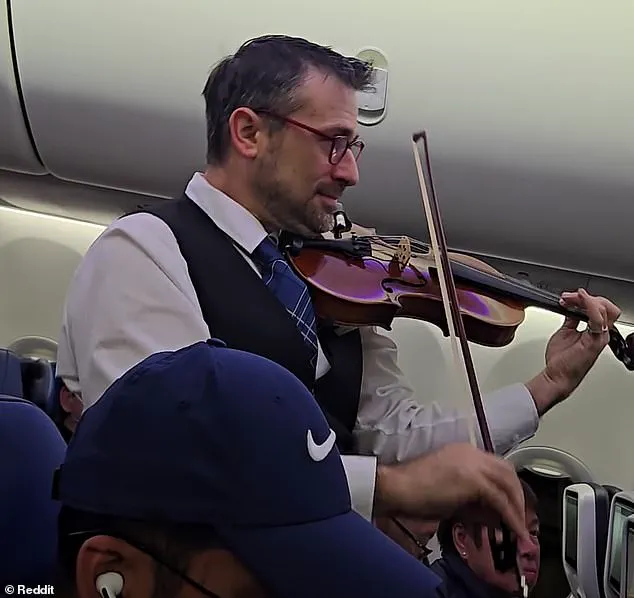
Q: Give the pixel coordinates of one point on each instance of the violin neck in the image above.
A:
(513, 288)
(509, 287)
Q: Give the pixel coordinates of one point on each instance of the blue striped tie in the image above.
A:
(290, 290)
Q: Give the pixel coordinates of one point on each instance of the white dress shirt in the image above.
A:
(131, 296)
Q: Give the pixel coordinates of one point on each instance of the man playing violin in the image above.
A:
(282, 146)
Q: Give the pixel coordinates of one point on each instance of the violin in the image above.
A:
(372, 279)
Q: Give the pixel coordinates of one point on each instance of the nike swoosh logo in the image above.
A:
(318, 452)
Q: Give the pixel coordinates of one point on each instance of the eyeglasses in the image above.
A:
(340, 144)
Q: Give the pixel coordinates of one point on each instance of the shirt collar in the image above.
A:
(231, 217)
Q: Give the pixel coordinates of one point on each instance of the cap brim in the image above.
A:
(341, 557)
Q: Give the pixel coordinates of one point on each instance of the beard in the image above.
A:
(286, 206)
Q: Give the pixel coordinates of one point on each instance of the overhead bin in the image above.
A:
(16, 150)
(528, 107)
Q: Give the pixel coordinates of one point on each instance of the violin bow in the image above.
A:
(505, 555)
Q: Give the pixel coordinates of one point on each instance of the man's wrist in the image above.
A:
(545, 392)
(387, 489)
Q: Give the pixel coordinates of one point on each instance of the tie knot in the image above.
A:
(267, 252)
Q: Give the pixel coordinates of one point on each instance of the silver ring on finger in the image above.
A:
(603, 330)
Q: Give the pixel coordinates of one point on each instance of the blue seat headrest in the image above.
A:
(31, 449)
(31, 379)
(10, 374)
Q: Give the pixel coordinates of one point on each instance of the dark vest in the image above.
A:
(241, 311)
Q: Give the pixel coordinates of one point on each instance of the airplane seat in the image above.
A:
(38, 383)
(548, 471)
(31, 449)
(612, 490)
(586, 526)
(10, 374)
(615, 582)
(602, 530)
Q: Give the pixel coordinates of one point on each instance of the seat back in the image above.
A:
(10, 374)
(31, 449)
(612, 490)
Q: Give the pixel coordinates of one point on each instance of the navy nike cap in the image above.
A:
(223, 438)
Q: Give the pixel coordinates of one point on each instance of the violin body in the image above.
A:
(372, 279)
(375, 289)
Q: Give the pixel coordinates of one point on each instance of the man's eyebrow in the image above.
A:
(336, 130)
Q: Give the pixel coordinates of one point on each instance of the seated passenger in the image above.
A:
(212, 472)
(466, 565)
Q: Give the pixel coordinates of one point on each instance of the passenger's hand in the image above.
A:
(435, 485)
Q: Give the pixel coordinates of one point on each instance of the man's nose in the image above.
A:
(528, 549)
(347, 170)
(528, 555)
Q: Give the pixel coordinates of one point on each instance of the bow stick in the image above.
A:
(505, 552)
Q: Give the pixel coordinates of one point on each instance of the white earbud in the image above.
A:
(109, 585)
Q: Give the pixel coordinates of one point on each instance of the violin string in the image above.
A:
(391, 241)
(551, 299)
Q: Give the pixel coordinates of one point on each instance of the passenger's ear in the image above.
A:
(460, 537)
(105, 554)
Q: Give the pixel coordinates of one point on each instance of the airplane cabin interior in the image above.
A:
(532, 145)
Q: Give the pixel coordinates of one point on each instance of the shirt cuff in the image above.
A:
(361, 474)
(512, 416)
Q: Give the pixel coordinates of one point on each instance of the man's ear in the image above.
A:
(246, 130)
(104, 554)
(460, 536)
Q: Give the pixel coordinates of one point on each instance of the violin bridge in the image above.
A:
(403, 253)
